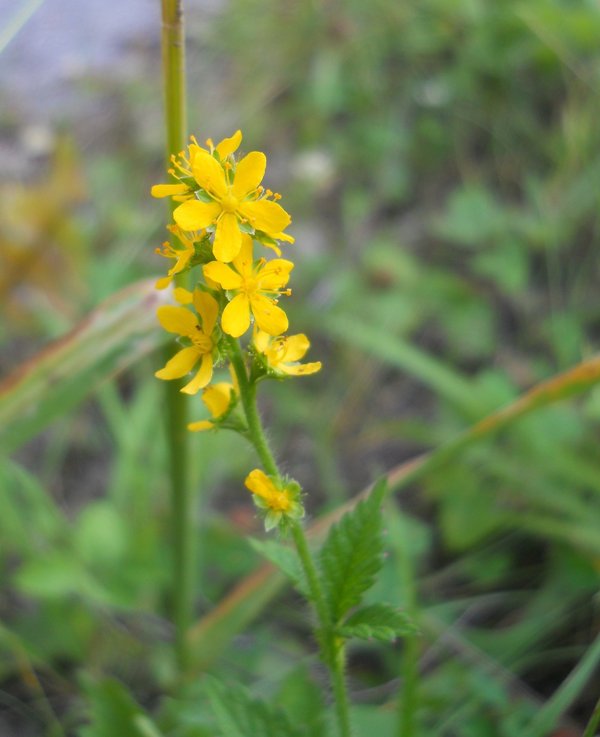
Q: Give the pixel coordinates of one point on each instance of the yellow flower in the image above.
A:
(181, 253)
(218, 399)
(182, 168)
(252, 285)
(279, 500)
(236, 200)
(198, 331)
(283, 353)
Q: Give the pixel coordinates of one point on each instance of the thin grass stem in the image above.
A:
(173, 48)
(590, 730)
(409, 663)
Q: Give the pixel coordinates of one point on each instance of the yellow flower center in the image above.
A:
(201, 341)
(279, 501)
(250, 286)
(276, 351)
(229, 203)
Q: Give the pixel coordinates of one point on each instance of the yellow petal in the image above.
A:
(260, 484)
(183, 259)
(222, 274)
(244, 261)
(168, 190)
(183, 296)
(300, 369)
(266, 215)
(229, 145)
(296, 347)
(217, 397)
(261, 340)
(208, 309)
(212, 284)
(269, 317)
(180, 365)
(209, 173)
(273, 247)
(200, 425)
(193, 214)
(236, 316)
(228, 238)
(249, 174)
(275, 274)
(177, 319)
(203, 376)
(164, 282)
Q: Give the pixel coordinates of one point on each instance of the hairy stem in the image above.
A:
(173, 46)
(248, 397)
(332, 649)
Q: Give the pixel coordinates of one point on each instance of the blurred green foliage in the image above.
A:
(442, 162)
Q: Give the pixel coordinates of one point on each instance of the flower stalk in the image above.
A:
(332, 649)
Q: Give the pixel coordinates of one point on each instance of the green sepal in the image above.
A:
(202, 194)
(278, 519)
(203, 252)
(246, 228)
(260, 369)
(189, 182)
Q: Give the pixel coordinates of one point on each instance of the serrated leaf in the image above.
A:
(379, 622)
(239, 715)
(352, 554)
(285, 558)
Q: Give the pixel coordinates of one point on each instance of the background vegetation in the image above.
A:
(441, 160)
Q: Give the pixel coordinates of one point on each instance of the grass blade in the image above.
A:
(114, 336)
(548, 716)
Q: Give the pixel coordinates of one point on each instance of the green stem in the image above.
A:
(173, 46)
(248, 397)
(332, 648)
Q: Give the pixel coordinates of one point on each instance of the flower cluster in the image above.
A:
(224, 220)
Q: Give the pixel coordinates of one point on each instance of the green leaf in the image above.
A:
(239, 715)
(56, 575)
(379, 622)
(285, 558)
(100, 535)
(352, 554)
(302, 700)
(113, 712)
